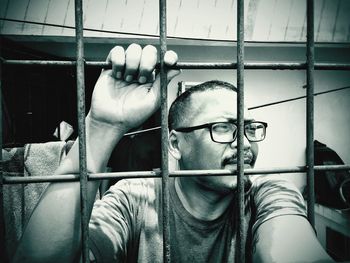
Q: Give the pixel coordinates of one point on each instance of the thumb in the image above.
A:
(172, 73)
(170, 59)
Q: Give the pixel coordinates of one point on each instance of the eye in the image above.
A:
(254, 129)
(251, 126)
(223, 127)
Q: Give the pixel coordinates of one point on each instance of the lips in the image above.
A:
(248, 158)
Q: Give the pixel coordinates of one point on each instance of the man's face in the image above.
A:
(198, 151)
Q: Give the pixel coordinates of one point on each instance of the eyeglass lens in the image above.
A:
(226, 132)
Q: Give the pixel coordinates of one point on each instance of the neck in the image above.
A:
(200, 202)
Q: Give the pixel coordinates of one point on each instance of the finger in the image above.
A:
(132, 61)
(170, 58)
(172, 74)
(147, 63)
(117, 58)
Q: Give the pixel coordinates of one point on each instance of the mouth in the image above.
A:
(232, 161)
(233, 165)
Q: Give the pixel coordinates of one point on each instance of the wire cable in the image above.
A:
(296, 98)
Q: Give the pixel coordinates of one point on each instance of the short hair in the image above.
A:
(178, 109)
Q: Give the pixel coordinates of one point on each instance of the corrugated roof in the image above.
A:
(265, 20)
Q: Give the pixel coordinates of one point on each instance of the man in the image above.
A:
(126, 225)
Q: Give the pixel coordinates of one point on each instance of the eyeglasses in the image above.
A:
(226, 132)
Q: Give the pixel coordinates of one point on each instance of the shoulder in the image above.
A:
(270, 180)
(273, 196)
(264, 185)
(117, 218)
(134, 185)
(274, 187)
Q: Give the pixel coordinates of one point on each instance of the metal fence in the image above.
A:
(310, 65)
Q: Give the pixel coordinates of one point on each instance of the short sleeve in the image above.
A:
(275, 196)
(112, 223)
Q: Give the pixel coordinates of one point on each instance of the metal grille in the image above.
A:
(83, 176)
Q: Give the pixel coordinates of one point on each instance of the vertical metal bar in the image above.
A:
(310, 112)
(81, 127)
(3, 253)
(164, 133)
(241, 231)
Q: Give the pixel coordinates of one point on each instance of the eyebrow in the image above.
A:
(235, 120)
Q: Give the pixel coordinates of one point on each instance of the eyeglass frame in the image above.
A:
(210, 125)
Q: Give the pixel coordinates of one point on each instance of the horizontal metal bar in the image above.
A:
(274, 170)
(40, 62)
(192, 65)
(15, 178)
(75, 177)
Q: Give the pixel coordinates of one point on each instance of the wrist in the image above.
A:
(107, 130)
(101, 139)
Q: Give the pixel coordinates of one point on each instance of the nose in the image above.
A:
(246, 143)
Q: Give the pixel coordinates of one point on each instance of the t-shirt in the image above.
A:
(126, 225)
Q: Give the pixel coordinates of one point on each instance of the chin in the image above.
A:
(229, 183)
(234, 166)
(225, 184)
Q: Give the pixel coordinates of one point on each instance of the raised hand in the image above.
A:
(128, 94)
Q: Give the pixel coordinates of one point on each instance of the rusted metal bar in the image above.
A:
(194, 65)
(80, 75)
(261, 65)
(241, 226)
(164, 132)
(233, 65)
(17, 178)
(3, 253)
(310, 113)
(42, 63)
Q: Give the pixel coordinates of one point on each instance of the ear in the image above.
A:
(174, 145)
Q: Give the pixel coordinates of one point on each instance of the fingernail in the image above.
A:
(142, 79)
(119, 75)
(128, 78)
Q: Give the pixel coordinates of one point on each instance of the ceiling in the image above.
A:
(265, 20)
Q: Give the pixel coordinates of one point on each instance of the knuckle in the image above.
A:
(117, 55)
(150, 48)
(149, 58)
(133, 55)
(116, 50)
(134, 48)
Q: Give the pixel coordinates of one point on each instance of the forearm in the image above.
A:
(53, 231)
(288, 238)
(100, 142)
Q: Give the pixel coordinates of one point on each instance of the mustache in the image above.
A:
(247, 156)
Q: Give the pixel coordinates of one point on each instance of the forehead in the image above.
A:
(214, 105)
